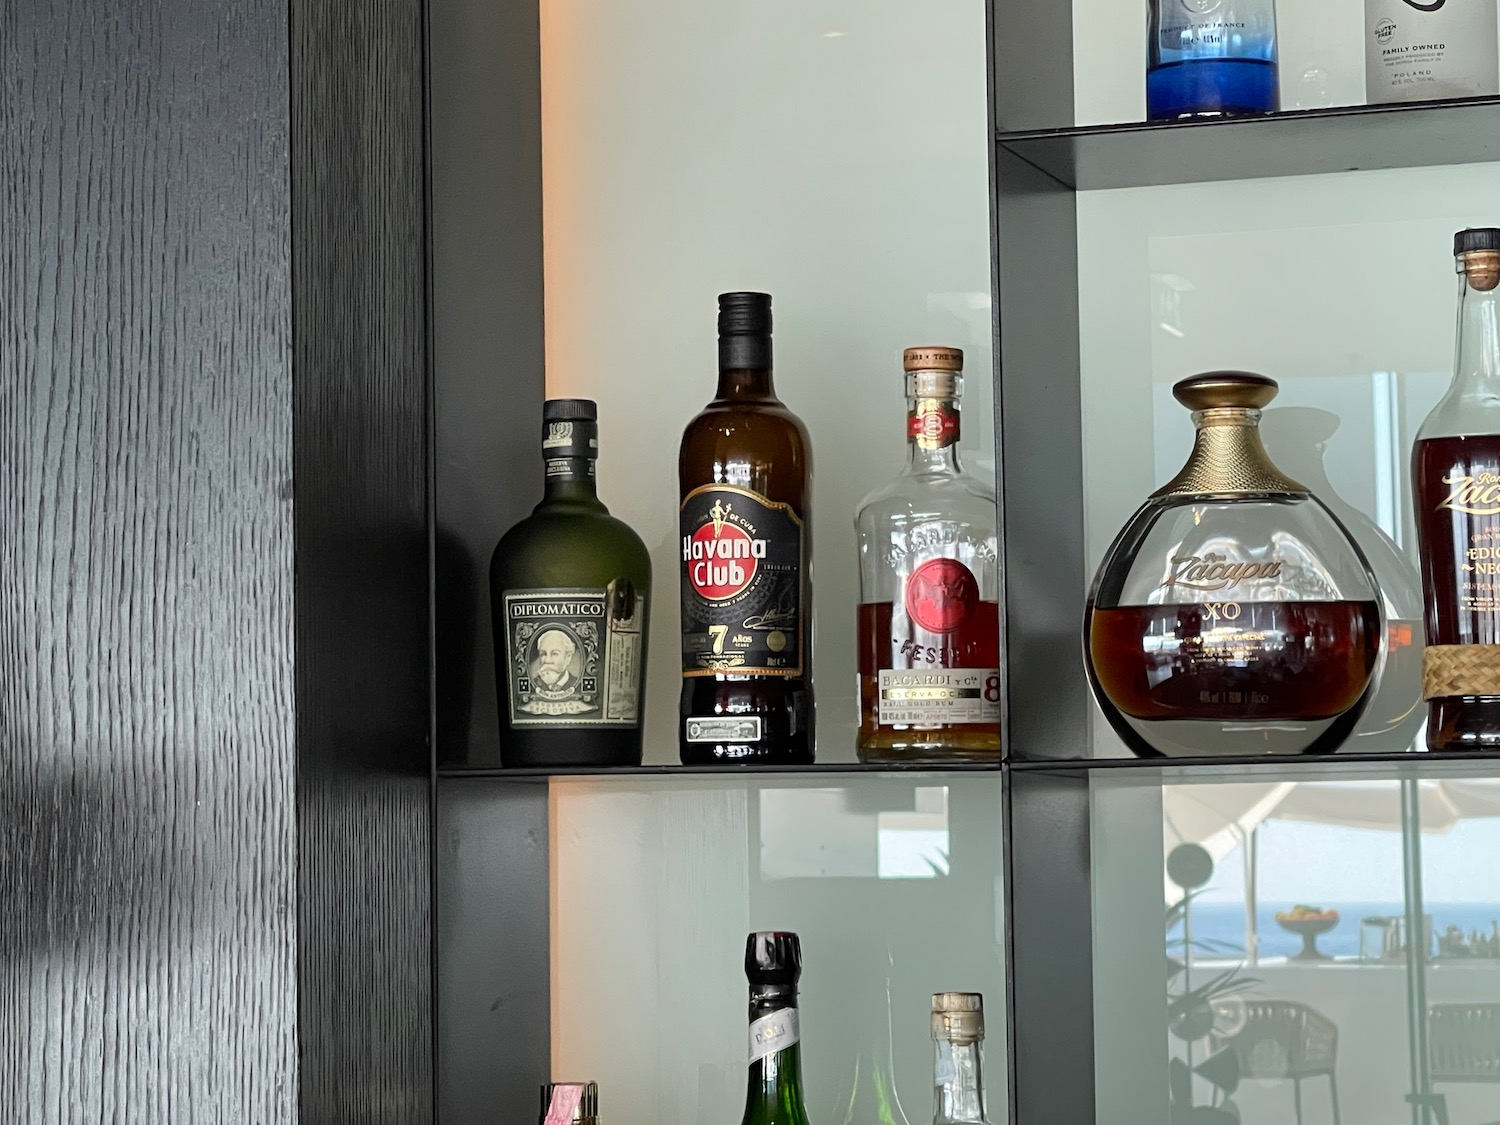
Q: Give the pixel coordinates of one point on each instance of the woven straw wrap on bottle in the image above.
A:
(1449, 670)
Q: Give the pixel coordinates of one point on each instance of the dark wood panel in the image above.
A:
(487, 335)
(363, 663)
(146, 742)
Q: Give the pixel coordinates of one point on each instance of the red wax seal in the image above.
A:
(941, 594)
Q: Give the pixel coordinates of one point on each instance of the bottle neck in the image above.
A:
(569, 450)
(932, 432)
(570, 480)
(1476, 367)
(745, 367)
(958, 1086)
(773, 1084)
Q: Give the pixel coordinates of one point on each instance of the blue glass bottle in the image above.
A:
(1211, 58)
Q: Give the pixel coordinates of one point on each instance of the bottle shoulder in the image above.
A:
(918, 496)
(556, 547)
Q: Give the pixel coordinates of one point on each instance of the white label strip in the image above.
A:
(773, 1033)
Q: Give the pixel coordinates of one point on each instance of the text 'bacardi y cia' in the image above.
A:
(746, 547)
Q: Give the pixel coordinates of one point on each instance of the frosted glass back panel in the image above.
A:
(1291, 978)
(893, 885)
(1339, 287)
(833, 153)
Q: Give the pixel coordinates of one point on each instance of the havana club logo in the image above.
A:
(721, 556)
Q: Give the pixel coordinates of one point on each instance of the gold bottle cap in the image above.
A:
(1213, 390)
(958, 1016)
(932, 359)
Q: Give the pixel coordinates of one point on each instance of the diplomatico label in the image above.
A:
(743, 584)
(574, 656)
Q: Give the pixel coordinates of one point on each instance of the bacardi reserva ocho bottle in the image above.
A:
(569, 589)
(1234, 614)
(929, 613)
(1456, 481)
(746, 485)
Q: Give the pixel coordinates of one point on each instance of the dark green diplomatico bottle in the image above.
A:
(773, 1091)
(570, 588)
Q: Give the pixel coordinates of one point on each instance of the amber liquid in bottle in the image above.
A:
(1272, 660)
(974, 645)
(745, 475)
(1456, 494)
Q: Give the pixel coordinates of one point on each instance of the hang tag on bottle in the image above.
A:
(565, 1103)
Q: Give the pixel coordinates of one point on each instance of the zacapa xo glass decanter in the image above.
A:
(929, 580)
(1234, 614)
(1211, 58)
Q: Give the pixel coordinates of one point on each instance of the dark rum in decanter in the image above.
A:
(1456, 486)
(929, 612)
(1234, 614)
(746, 490)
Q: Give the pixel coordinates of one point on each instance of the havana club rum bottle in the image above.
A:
(569, 590)
(746, 486)
(1456, 482)
(929, 613)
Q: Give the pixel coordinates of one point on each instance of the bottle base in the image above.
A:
(580, 749)
(1464, 724)
(933, 748)
(731, 754)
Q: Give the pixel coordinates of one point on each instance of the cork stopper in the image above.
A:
(958, 1017)
(935, 372)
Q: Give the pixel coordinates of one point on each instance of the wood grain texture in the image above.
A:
(146, 690)
(363, 710)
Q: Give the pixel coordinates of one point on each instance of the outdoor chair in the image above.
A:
(1282, 1039)
(1463, 1045)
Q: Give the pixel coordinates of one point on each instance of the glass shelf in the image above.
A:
(832, 769)
(1297, 143)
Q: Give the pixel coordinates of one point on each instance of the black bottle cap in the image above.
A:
(1476, 238)
(570, 410)
(744, 314)
(773, 957)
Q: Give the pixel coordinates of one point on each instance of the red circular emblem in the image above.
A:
(721, 564)
(941, 594)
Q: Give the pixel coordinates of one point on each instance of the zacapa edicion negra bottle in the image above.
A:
(1234, 614)
(570, 587)
(1456, 486)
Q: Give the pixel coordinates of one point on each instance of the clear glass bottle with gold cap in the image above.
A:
(1234, 614)
(929, 612)
(1456, 485)
(957, 1078)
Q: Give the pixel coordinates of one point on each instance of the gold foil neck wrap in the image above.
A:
(958, 1016)
(932, 359)
(1450, 670)
(1228, 457)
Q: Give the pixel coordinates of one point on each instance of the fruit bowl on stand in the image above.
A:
(1308, 922)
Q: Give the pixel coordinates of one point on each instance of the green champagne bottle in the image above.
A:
(570, 587)
(773, 1090)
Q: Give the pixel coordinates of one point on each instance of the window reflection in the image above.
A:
(841, 832)
(1333, 950)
